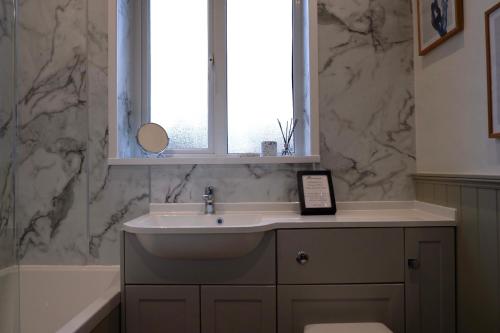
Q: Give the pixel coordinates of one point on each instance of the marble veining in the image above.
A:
(125, 195)
(233, 183)
(7, 131)
(51, 178)
(366, 49)
(71, 204)
(116, 194)
(129, 113)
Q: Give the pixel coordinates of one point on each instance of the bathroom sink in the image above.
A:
(183, 231)
(197, 236)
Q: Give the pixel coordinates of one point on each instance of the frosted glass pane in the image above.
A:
(260, 90)
(179, 71)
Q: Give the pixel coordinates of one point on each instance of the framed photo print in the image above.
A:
(316, 193)
(493, 69)
(438, 21)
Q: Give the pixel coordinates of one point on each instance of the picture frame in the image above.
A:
(316, 193)
(492, 24)
(438, 21)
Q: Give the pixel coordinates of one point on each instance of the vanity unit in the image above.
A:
(392, 263)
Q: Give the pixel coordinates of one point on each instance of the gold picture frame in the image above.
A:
(492, 23)
(436, 27)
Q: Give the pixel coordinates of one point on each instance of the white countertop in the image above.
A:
(258, 217)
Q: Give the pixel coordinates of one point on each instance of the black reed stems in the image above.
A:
(289, 130)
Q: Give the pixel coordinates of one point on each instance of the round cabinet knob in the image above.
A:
(413, 263)
(302, 257)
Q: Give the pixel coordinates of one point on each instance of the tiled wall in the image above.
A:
(70, 203)
(477, 200)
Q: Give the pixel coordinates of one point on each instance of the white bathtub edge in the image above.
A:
(9, 270)
(93, 314)
(65, 268)
(97, 311)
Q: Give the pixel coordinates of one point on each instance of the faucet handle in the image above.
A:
(209, 190)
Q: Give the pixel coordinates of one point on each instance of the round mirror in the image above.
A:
(152, 138)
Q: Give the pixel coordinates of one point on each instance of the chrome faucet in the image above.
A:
(208, 197)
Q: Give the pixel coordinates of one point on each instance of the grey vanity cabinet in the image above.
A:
(199, 296)
(430, 280)
(402, 277)
(160, 309)
(238, 309)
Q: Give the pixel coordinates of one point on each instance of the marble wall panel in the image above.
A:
(366, 97)
(116, 194)
(70, 203)
(51, 175)
(233, 183)
(7, 132)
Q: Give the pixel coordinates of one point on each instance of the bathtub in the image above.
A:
(67, 299)
(9, 299)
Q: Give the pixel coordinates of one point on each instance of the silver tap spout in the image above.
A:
(208, 197)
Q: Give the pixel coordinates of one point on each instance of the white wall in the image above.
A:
(451, 102)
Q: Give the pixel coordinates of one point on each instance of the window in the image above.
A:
(250, 55)
(216, 74)
(179, 73)
(259, 71)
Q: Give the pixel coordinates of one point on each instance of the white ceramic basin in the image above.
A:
(196, 236)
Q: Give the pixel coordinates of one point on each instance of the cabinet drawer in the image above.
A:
(334, 256)
(299, 306)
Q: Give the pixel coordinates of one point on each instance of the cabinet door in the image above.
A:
(238, 309)
(301, 305)
(162, 309)
(430, 280)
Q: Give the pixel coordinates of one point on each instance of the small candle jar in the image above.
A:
(268, 148)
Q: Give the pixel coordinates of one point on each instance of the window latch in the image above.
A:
(211, 60)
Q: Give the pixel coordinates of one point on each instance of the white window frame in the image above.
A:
(307, 137)
(215, 118)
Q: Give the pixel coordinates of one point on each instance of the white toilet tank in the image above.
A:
(347, 328)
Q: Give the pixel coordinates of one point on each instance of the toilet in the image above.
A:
(347, 328)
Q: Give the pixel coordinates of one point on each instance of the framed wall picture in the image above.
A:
(492, 18)
(438, 21)
(316, 193)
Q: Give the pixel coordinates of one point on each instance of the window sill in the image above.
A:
(215, 159)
